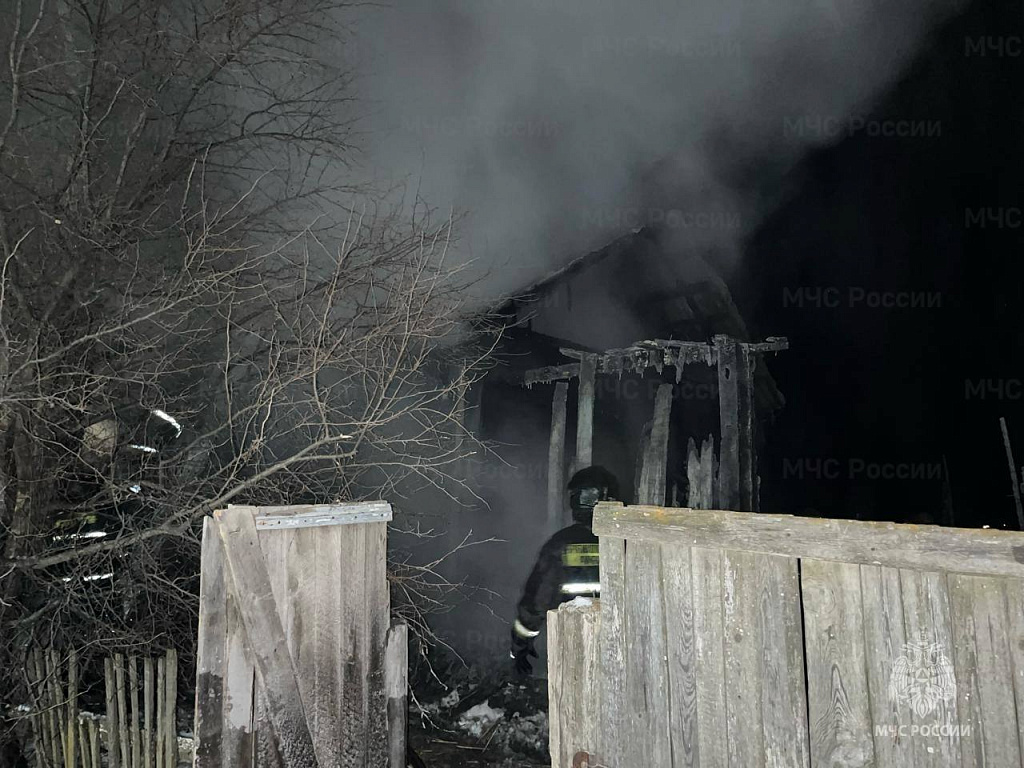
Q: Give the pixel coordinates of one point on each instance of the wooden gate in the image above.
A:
(293, 637)
(747, 640)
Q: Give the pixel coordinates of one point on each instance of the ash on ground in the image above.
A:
(490, 720)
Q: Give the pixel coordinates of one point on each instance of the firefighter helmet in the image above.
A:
(586, 488)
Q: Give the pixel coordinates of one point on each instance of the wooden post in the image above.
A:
(147, 706)
(161, 674)
(133, 692)
(396, 684)
(556, 456)
(113, 753)
(652, 476)
(70, 752)
(1013, 474)
(700, 472)
(56, 705)
(122, 710)
(585, 413)
(737, 475)
(171, 710)
(574, 682)
(94, 743)
(212, 640)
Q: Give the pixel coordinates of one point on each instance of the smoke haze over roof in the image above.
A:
(559, 124)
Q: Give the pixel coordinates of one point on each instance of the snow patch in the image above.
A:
(580, 602)
(478, 720)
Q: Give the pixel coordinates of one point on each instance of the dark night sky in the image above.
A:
(904, 386)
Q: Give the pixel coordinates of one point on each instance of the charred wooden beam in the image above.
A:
(585, 413)
(652, 476)
(737, 473)
(556, 455)
(550, 373)
(650, 353)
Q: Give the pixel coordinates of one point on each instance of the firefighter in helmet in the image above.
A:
(567, 566)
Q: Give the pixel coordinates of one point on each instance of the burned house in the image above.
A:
(633, 357)
(590, 351)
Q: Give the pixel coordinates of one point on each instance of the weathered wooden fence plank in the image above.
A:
(783, 692)
(677, 591)
(324, 659)
(646, 662)
(703, 650)
(237, 744)
(709, 629)
(921, 547)
(574, 682)
(744, 645)
(616, 720)
(396, 684)
(1013, 590)
(256, 605)
(839, 707)
(984, 672)
(375, 625)
(211, 649)
(884, 640)
(351, 705)
(929, 631)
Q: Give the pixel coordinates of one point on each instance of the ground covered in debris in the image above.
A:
(487, 720)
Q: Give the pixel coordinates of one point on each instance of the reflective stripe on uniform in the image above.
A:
(581, 587)
(523, 631)
(581, 555)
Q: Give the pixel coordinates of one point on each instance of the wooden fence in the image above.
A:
(297, 665)
(138, 730)
(747, 640)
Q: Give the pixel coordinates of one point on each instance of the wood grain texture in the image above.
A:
(651, 489)
(677, 594)
(585, 413)
(250, 584)
(784, 664)
(239, 678)
(647, 698)
(984, 672)
(574, 681)
(376, 622)
(616, 719)
(729, 471)
(921, 547)
(884, 641)
(556, 456)
(1013, 590)
(211, 649)
(709, 645)
(839, 706)
(743, 645)
(700, 472)
(926, 620)
(396, 685)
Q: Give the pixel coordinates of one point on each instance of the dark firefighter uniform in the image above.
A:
(567, 566)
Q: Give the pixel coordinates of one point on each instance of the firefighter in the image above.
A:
(567, 566)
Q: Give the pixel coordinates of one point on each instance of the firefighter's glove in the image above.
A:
(522, 650)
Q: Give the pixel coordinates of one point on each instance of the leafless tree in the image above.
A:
(170, 339)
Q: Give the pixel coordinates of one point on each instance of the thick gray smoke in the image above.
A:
(557, 124)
